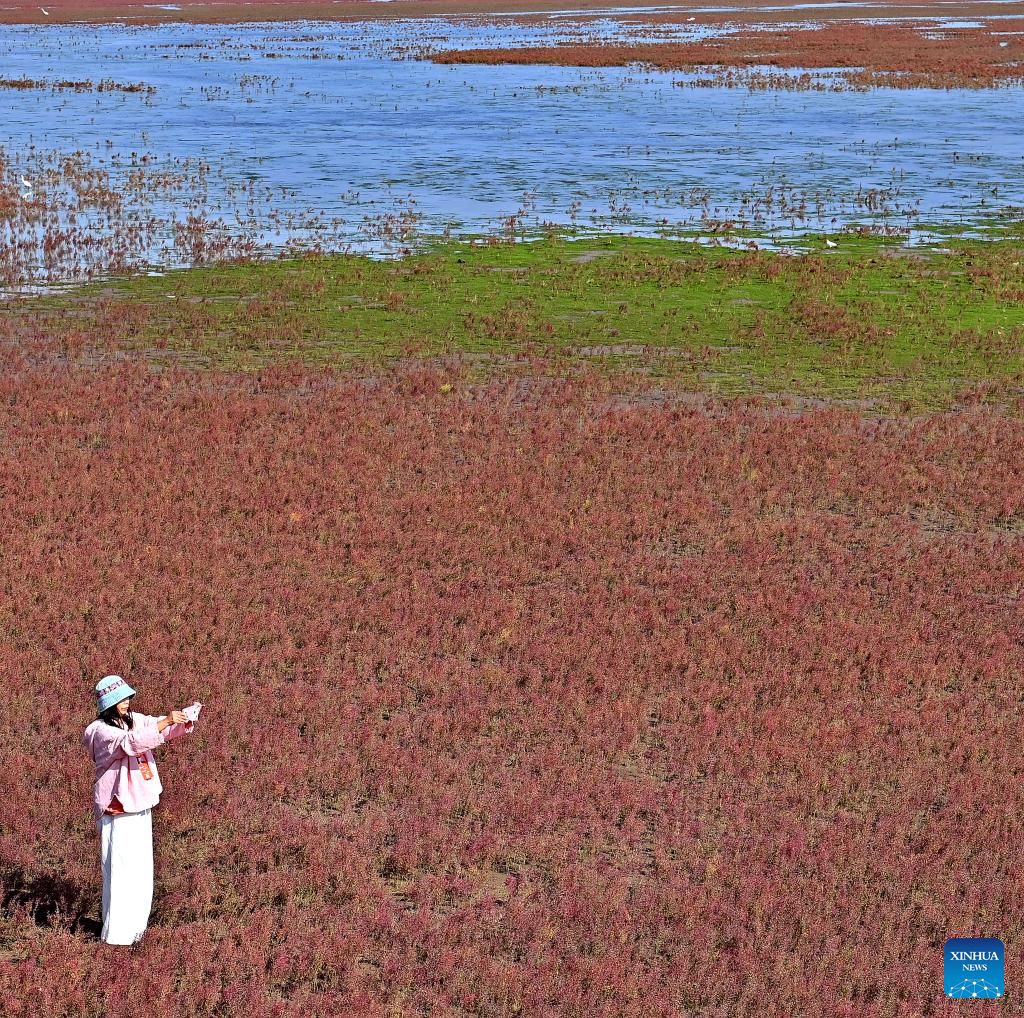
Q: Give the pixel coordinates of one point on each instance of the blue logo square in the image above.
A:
(974, 968)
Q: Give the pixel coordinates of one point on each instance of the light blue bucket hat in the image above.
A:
(111, 689)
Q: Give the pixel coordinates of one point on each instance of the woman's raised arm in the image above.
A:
(147, 734)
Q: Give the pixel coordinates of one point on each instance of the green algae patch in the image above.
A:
(859, 320)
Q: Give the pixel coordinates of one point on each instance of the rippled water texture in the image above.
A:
(338, 133)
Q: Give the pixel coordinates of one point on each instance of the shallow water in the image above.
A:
(309, 132)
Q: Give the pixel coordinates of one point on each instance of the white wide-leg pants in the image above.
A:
(126, 855)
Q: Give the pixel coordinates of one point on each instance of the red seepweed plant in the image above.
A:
(523, 697)
(896, 55)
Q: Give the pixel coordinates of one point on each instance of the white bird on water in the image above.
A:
(27, 184)
(830, 243)
(45, 11)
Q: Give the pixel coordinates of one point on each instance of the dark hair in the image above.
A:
(113, 717)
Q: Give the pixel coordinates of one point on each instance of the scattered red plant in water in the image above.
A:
(106, 85)
(152, 211)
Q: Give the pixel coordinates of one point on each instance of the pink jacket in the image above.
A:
(124, 761)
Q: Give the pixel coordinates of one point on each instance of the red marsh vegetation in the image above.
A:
(27, 11)
(30, 11)
(869, 54)
(523, 699)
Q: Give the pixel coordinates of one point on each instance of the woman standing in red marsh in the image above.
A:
(125, 790)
